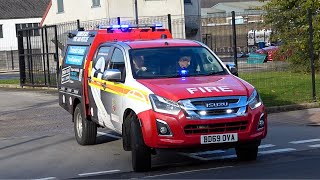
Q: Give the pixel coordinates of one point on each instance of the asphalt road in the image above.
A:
(9, 75)
(37, 142)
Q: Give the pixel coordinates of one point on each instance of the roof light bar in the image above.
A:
(126, 26)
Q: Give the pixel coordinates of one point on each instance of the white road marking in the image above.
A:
(100, 172)
(110, 135)
(183, 172)
(314, 146)
(47, 178)
(266, 146)
(207, 152)
(222, 157)
(304, 141)
(277, 151)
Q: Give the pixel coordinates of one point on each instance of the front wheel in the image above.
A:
(141, 154)
(85, 130)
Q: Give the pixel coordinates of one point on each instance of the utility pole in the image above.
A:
(311, 53)
(136, 11)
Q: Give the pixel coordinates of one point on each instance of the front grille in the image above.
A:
(215, 107)
(216, 128)
(203, 103)
(218, 111)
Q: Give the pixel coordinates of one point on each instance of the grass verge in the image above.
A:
(9, 81)
(282, 88)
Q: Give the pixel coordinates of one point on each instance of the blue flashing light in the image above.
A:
(124, 26)
(158, 25)
(184, 72)
(116, 26)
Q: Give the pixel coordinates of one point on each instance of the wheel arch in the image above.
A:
(76, 101)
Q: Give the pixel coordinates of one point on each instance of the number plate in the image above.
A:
(219, 138)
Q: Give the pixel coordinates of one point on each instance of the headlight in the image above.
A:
(254, 100)
(163, 105)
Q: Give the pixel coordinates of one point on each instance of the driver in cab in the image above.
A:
(138, 64)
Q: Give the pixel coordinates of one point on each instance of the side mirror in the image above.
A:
(112, 75)
(232, 68)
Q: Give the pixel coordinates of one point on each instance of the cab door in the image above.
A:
(99, 63)
(112, 93)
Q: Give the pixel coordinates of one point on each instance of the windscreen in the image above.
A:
(173, 62)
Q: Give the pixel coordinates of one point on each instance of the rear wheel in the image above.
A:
(85, 130)
(247, 153)
(141, 154)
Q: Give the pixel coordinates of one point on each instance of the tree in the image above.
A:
(289, 21)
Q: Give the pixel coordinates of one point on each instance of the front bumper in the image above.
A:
(182, 138)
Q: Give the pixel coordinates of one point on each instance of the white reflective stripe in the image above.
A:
(184, 172)
(208, 152)
(100, 172)
(110, 135)
(314, 145)
(222, 157)
(304, 141)
(266, 146)
(47, 178)
(277, 151)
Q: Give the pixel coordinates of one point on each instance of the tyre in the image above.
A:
(85, 130)
(141, 154)
(248, 153)
(126, 128)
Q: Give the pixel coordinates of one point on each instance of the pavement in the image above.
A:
(305, 117)
(9, 71)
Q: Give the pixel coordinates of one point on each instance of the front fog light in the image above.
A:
(163, 128)
(261, 122)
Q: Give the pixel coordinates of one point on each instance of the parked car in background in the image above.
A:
(273, 53)
(270, 52)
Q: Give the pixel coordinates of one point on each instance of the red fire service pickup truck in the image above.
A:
(158, 92)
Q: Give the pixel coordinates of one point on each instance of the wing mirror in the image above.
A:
(233, 69)
(112, 75)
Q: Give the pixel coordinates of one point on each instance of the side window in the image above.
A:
(117, 62)
(99, 62)
(210, 63)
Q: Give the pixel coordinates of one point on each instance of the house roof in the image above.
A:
(210, 3)
(239, 6)
(206, 11)
(17, 9)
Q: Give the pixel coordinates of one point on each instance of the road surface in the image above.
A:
(37, 142)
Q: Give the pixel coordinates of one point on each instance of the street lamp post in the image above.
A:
(136, 11)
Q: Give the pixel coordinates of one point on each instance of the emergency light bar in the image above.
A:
(127, 26)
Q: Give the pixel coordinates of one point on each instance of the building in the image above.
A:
(62, 11)
(217, 24)
(17, 14)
